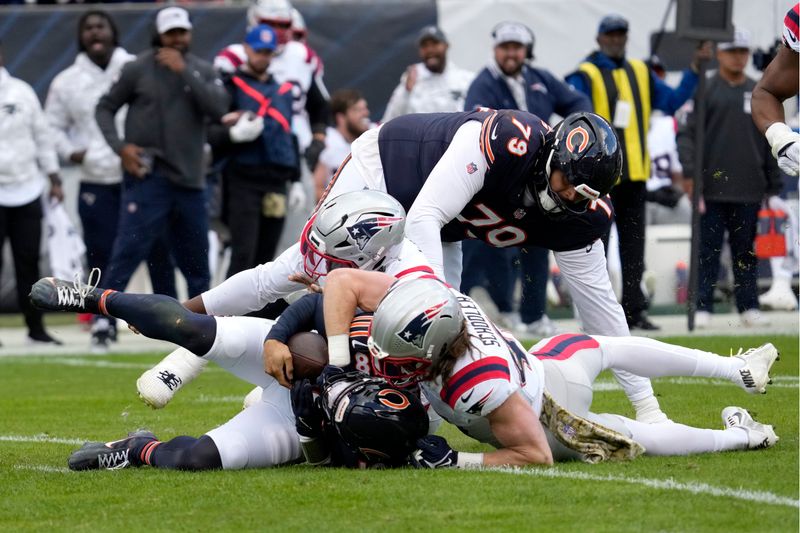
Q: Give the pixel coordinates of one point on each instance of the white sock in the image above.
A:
(652, 358)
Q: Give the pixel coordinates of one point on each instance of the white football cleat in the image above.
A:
(754, 375)
(158, 385)
(702, 319)
(758, 435)
(754, 318)
(254, 396)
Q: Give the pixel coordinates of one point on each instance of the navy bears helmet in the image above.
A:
(586, 149)
(379, 421)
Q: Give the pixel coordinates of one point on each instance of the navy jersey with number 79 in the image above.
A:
(510, 141)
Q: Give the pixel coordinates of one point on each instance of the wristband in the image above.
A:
(469, 460)
(339, 350)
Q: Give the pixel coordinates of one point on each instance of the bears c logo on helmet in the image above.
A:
(577, 140)
(361, 232)
(414, 332)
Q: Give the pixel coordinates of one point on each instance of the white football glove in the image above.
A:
(297, 196)
(785, 145)
(246, 128)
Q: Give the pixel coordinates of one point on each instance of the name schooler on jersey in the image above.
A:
(493, 368)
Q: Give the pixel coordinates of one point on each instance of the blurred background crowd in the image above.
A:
(172, 146)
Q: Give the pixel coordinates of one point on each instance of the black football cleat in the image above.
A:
(52, 294)
(109, 455)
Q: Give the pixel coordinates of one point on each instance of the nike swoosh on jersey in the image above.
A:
(466, 398)
(494, 132)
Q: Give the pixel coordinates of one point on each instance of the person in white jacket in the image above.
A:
(26, 154)
(433, 85)
(70, 105)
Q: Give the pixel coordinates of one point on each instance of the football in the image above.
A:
(309, 354)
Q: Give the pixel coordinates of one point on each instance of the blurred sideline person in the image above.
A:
(266, 433)
(483, 381)
(628, 88)
(738, 176)
(507, 178)
(361, 229)
(666, 202)
(294, 62)
(170, 94)
(70, 108)
(434, 85)
(351, 119)
(27, 154)
(780, 81)
(261, 168)
(510, 82)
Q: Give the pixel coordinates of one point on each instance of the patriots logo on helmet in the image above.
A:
(361, 232)
(414, 332)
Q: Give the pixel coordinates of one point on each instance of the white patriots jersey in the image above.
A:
(494, 367)
(297, 64)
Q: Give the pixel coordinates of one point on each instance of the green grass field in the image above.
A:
(49, 405)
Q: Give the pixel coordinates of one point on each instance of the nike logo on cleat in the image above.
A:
(747, 378)
(735, 419)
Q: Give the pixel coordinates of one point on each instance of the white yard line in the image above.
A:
(84, 362)
(778, 382)
(44, 468)
(39, 438)
(660, 484)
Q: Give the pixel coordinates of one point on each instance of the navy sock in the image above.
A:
(180, 453)
(164, 318)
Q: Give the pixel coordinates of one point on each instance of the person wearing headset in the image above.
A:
(510, 82)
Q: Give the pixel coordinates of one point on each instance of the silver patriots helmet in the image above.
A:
(359, 229)
(415, 324)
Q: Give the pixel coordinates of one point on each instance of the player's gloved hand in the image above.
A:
(313, 152)
(434, 452)
(247, 128)
(297, 196)
(307, 410)
(785, 145)
(328, 373)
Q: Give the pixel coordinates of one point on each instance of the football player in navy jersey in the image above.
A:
(507, 178)
(375, 424)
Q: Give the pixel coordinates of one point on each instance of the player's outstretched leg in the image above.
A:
(143, 448)
(153, 315)
(652, 358)
(741, 433)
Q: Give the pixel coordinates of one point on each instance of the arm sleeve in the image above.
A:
(206, 89)
(685, 142)
(117, 96)
(45, 151)
(59, 118)
(252, 289)
(668, 99)
(296, 318)
(317, 107)
(590, 287)
(447, 190)
(398, 103)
